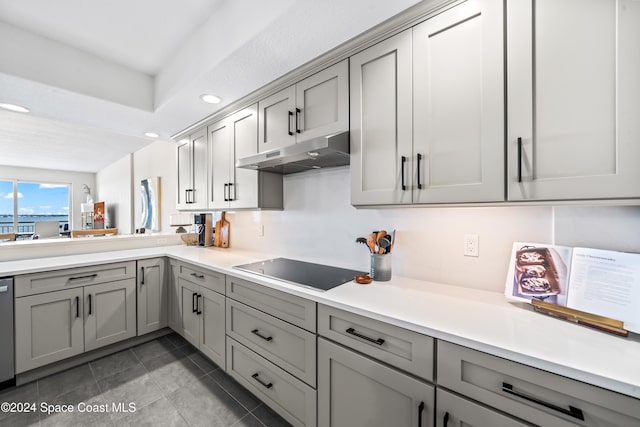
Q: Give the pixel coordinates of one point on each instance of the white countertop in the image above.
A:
(480, 320)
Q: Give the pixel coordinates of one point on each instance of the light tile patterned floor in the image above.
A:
(168, 380)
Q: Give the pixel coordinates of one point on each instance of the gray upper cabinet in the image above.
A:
(458, 105)
(192, 171)
(381, 122)
(230, 139)
(315, 106)
(152, 295)
(573, 99)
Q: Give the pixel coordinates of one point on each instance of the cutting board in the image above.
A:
(222, 232)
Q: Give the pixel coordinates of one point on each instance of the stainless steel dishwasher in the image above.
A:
(7, 370)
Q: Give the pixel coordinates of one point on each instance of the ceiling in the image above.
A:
(98, 75)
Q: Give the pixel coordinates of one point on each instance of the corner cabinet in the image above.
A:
(233, 188)
(427, 111)
(573, 99)
(315, 106)
(192, 171)
(152, 295)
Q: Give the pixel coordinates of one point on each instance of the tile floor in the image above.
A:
(168, 380)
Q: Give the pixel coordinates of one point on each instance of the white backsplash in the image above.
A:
(320, 224)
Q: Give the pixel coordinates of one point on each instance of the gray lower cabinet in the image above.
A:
(151, 295)
(109, 313)
(49, 327)
(56, 325)
(356, 391)
(202, 312)
(455, 411)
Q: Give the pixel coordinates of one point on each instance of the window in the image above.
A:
(27, 208)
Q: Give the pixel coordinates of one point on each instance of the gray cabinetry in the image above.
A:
(315, 106)
(201, 310)
(192, 171)
(152, 295)
(354, 391)
(174, 312)
(455, 411)
(573, 99)
(230, 139)
(530, 394)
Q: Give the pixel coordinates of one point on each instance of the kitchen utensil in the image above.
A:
(379, 236)
(371, 242)
(384, 245)
(363, 241)
(393, 240)
(218, 234)
(224, 230)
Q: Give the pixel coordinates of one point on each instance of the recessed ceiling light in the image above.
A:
(151, 134)
(210, 99)
(13, 107)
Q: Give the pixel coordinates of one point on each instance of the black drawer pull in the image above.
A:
(90, 305)
(90, 276)
(445, 420)
(572, 411)
(519, 159)
(77, 307)
(142, 281)
(194, 306)
(198, 311)
(265, 385)
(420, 410)
(198, 276)
(256, 332)
(352, 331)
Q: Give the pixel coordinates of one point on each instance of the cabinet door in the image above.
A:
(322, 103)
(212, 325)
(185, 176)
(573, 99)
(175, 305)
(110, 313)
(354, 390)
(48, 328)
(277, 127)
(244, 134)
(190, 322)
(198, 197)
(454, 411)
(219, 142)
(380, 122)
(458, 110)
(152, 295)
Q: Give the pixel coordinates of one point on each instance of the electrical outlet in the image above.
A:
(260, 229)
(471, 245)
(162, 241)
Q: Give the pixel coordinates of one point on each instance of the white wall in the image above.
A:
(156, 160)
(114, 188)
(76, 179)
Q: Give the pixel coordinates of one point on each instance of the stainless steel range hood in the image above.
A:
(327, 151)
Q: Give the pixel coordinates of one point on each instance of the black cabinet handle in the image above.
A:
(198, 312)
(419, 160)
(90, 308)
(231, 199)
(420, 410)
(445, 420)
(519, 159)
(90, 276)
(142, 281)
(298, 111)
(256, 332)
(198, 276)
(265, 385)
(226, 199)
(289, 124)
(352, 331)
(572, 411)
(77, 307)
(403, 160)
(186, 196)
(194, 309)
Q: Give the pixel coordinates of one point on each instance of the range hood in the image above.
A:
(323, 152)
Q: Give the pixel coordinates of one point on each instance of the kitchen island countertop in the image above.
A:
(480, 320)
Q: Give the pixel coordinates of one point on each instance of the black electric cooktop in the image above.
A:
(316, 276)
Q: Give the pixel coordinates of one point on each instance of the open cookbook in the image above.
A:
(605, 283)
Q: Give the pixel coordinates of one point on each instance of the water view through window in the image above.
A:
(28, 206)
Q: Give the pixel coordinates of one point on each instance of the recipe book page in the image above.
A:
(606, 283)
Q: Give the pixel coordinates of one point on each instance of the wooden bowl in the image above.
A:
(190, 238)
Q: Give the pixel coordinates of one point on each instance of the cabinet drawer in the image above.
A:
(454, 411)
(288, 346)
(290, 308)
(207, 278)
(291, 398)
(407, 350)
(37, 283)
(531, 394)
